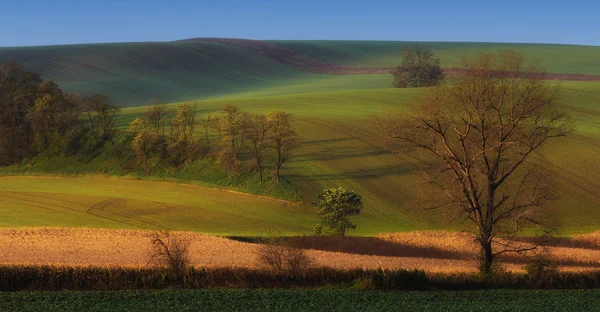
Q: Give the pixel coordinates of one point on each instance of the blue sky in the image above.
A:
(85, 21)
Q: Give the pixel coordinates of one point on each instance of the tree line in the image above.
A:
(233, 137)
(37, 117)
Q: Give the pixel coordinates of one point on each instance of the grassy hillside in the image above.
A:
(340, 149)
(134, 73)
(556, 58)
(114, 203)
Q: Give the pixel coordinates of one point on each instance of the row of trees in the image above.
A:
(37, 116)
(232, 136)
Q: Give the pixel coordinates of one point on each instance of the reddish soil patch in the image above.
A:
(307, 63)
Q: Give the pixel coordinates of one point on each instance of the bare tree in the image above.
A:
(101, 115)
(156, 118)
(172, 251)
(256, 131)
(282, 138)
(481, 128)
(280, 256)
(206, 123)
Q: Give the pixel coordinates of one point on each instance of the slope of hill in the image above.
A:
(339, 148)
(115, 203)
(134, 73)
(556, 58)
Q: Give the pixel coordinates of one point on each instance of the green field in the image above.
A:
(134, 73)
(556, 58)
(302, 300)
(118, 203)
(338, 145)
(339, 148)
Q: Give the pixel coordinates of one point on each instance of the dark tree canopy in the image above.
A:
(18, 92)
(335, 205)
(418, 69)
(479, 131)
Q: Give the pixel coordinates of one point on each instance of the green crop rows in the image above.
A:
(302, 300)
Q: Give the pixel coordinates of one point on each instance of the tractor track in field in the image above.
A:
(304, 62)
(55, 207)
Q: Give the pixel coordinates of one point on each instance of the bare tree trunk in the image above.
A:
(277, 173)
(487, 256)
(259, 169)
(92, 125)
(146, 165)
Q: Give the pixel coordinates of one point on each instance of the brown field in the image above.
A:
(436, 252)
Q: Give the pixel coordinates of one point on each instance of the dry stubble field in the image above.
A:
(435, 252)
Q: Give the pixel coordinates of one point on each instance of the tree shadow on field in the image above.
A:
(346, 153)
(372, 246)
(325, 141)
(373, 173)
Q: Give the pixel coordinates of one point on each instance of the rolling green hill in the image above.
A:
(116, 203)
(339, 148)
(134, 73)
(556, 58)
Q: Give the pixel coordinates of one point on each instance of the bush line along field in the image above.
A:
(302, 300)
(339, 148)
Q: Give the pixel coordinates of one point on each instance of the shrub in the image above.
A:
(541, 270)
(280, 257)
(171, 251)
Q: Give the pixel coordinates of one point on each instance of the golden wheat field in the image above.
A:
(435, 252)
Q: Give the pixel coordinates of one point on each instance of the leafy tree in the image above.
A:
(143, 143)
(418, 69)
(334, 207)
(18, 92)
(281, 138)
(54, 119)
(101, 114)
(481, 128)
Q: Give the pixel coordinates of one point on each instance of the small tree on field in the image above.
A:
(418, 69)
(478, 133)
(335, 206)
